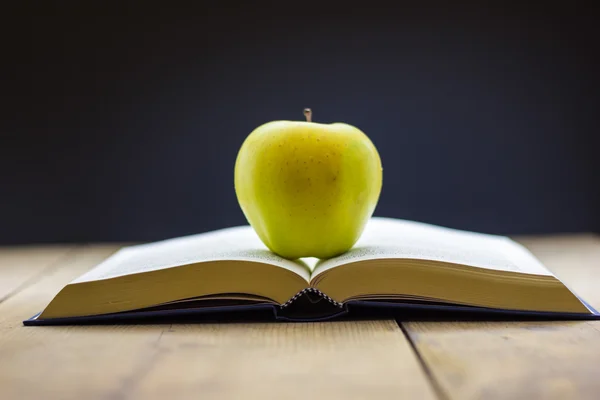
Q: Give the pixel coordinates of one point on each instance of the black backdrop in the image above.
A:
(124, 124)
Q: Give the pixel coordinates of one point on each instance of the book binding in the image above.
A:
(311, 305)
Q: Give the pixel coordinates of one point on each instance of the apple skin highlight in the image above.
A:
(308, 189)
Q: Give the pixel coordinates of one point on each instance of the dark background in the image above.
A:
(124, 124)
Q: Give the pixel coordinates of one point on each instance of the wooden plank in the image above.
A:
(350, 360)
(21, 265)
(504, 360)
(345, 360)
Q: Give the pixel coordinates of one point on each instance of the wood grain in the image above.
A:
(504, 360)
(23, 264)
(350, 360)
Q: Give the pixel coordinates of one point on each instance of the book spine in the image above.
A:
(314, 291)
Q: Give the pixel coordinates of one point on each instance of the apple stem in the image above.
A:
(308, 114)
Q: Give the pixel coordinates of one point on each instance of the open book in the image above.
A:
(396, 264)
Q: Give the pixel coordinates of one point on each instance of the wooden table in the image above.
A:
(347, 360)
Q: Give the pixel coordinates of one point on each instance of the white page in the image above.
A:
(394, 238)
(239, 243)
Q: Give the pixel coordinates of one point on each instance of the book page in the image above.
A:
(394, 238)
(239, 243)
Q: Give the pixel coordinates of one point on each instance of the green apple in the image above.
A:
(308, 189)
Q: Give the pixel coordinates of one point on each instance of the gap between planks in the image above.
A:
(437, 387)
